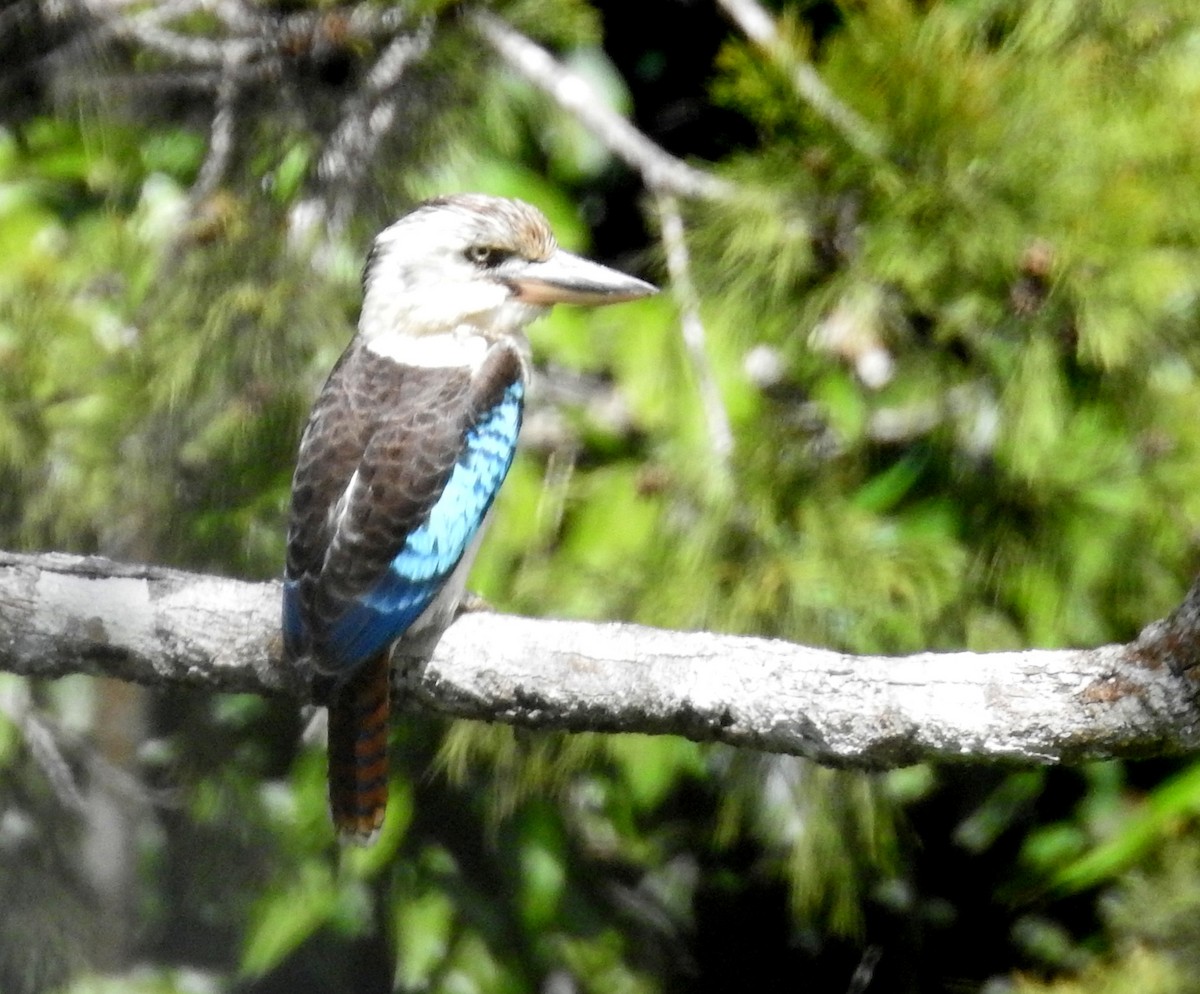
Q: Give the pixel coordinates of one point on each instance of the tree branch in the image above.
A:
(64, 614)
(659, 170)
(757, 25)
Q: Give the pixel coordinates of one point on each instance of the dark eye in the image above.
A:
(486, 256)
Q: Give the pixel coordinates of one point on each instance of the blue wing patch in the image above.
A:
(432, 551)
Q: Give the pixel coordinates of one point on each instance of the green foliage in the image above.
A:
(1152, 915)
(827, 832)
(188, 359)
(1026, 471)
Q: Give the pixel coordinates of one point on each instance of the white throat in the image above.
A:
(463, 346)
(444, 326)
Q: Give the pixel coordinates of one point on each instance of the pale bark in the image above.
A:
(64, 614)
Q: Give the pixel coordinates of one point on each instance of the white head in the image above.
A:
(477, 265)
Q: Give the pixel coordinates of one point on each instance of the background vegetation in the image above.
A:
(951, 294)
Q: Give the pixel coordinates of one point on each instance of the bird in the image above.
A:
(404, 451)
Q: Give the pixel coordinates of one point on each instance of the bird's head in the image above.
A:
(486, 265)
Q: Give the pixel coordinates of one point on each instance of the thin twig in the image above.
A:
(42, 742)
(863, 974)
(757, 24)
(145, 29)
(365, 21)
(221, 134)
(659, 169)
(106, 22)
(716, 418)
(369, 115)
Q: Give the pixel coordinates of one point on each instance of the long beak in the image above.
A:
(568, 279)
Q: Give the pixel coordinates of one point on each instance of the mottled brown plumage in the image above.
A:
(401, 430)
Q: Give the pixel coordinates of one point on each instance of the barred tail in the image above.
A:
(358, 758)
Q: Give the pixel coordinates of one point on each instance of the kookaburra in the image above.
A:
(404, 451)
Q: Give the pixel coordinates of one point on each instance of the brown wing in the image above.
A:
(380, 447)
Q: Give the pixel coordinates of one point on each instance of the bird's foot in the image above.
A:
(472, 603)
